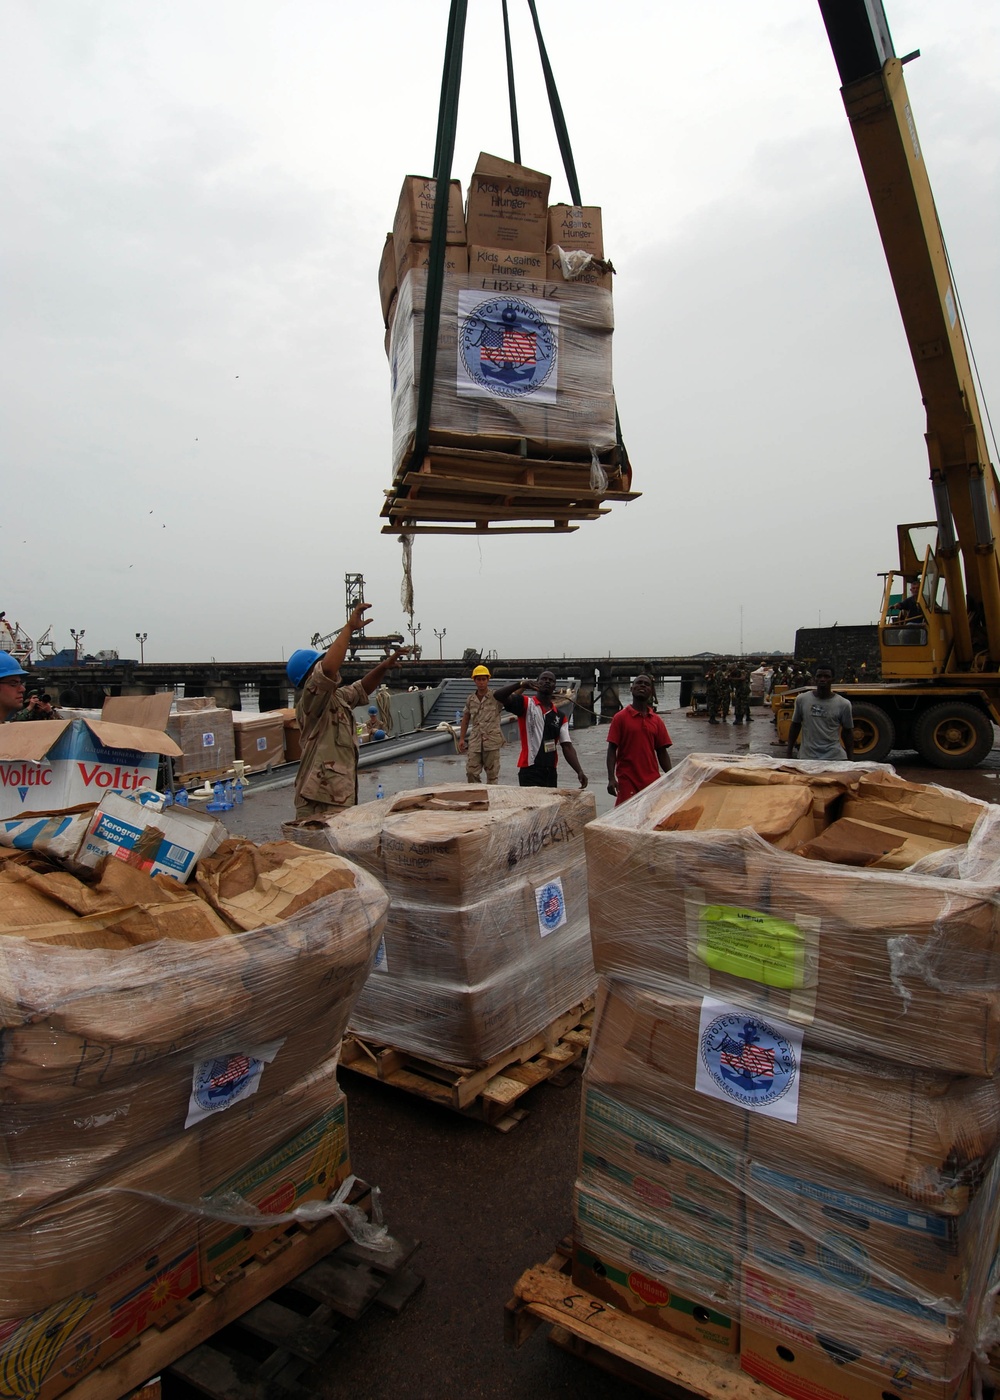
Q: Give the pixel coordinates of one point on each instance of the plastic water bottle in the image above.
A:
(238, 793)
(380, 791)
(458, 716)
(181, 797)
(227, 792)
(420, 770)
(218, 802)
(168, 798)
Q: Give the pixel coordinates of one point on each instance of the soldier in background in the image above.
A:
(712, 694)
(725, 693)
(741, 696)
(849, 672)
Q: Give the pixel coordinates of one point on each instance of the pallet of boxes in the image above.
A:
(522, 417)
(169, 1108)
(483, 979)
(791, 1116)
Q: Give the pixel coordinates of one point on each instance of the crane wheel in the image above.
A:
(874, 733)
(953, 735)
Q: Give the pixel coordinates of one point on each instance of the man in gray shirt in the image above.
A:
(824, 720)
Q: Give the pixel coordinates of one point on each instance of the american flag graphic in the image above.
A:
(236, 1068)
(750, 1059)
(508, 347)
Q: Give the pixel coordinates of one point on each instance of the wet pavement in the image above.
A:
(486, 1205)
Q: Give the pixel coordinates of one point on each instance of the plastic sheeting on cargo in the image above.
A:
(792, 1103)
(510, 365)
(139, 1074)
(487, 939)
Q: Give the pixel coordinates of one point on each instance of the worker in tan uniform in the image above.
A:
(480, 737)
(327, 780)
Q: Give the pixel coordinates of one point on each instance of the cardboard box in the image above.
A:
(813, 1344)
(387, 281)
(260, 739)
(308, 1167)
(576, 226)
(57, 834)
(155, 839)
(508, 263)
(590, 276)
(753, 1084)
(411, 255)
(293, 738)
(638, 1284)
(56, 764)
(852, 842)
(507, 206)
(783, 816)
(874, 962)
(414, 219)
(205, 739)
(871, 1245)
(54, 1349)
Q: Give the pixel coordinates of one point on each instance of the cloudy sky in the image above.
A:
(196, 428)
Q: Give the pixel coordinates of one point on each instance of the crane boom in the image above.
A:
(963, 480)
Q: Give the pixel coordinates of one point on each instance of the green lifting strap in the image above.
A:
(558, 120)
(444, 152)
(515, 135)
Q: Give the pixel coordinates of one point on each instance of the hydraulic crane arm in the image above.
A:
(963, 480)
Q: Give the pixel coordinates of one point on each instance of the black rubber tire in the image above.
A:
(953, 735)
(874, 733)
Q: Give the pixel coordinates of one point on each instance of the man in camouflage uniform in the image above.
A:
(712, 694)
(480, 738)
(724, 685)
(327, 780)
(741, 696)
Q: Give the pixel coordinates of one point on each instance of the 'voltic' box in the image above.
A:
(414, 219)
(57, 763)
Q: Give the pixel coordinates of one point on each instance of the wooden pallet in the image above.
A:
(489, 1092)
(336, 1275)
(658, 1363)
(459, 491)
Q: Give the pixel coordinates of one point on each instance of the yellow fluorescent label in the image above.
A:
(746, 943)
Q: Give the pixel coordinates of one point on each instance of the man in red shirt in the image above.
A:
(637, 743)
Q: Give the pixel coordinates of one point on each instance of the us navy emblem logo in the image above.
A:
(748, 1060)
(507, 347)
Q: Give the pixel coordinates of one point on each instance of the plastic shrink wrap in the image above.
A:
(168, 1093)
(487, 939)
(509, 366)
(792, 1110)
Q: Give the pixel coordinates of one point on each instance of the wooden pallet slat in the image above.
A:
(488, 1091)
(660, 1362)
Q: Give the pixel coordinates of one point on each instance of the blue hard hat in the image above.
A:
(10, 667)
(372, 709)
(300, 663)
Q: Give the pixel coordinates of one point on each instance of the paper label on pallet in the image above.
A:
(747, 1060)
(220, 1082)
(508, 347)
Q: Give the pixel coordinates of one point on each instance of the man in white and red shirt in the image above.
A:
(544, 730)
(637, 744)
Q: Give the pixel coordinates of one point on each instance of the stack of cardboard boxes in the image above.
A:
(487, 940)
(524, 338)
(791, 1121)
(167, 1084)
(203, 731)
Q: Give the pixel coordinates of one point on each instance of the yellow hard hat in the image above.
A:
(480, 671)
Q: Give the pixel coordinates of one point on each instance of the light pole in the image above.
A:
(141, 639)
(413, 636)
(441, 636)
(78, 637)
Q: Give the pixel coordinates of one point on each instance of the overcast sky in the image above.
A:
(196, 430)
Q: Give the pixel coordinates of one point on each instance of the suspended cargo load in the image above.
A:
(522, 421)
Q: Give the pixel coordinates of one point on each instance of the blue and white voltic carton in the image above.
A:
(49, 765)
